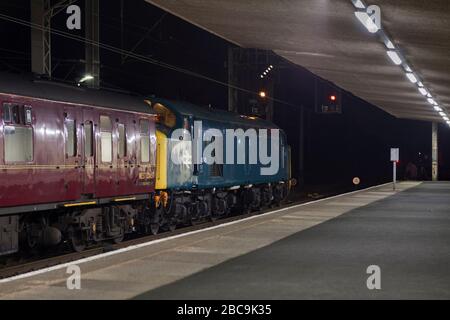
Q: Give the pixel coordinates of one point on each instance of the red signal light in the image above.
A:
(333, 98)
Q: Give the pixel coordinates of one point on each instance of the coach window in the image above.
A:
(145, 141)
(18, 134)
(122, 140)
(88, 135)
(18, 144)
(71, 142)
(6, 112)
(106, 138)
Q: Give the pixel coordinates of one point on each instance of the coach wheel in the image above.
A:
(119, 239)
(76, 240)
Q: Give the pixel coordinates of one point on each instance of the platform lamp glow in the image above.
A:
(87, 77)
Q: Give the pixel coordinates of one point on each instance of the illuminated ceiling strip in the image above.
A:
(393, 53)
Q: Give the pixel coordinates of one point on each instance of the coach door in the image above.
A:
(88, 151)
(125, 154)
(106, 162)
(72, 162)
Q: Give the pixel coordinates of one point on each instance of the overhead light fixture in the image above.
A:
(445, 118)
(437, 108)
(442, 114)
(407, 68)
(423, 91)
(431, 101)
(420, 84)
(358, 4)
(394, 57)
(389, 44)
(367, 21)
(429, 95)
(411, 77)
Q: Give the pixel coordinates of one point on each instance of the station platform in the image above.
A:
(317, 250)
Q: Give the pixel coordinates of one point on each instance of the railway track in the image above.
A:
(33, 264)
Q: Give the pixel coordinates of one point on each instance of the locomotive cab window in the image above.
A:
(145, 141)
(106, 139)
(165, 116)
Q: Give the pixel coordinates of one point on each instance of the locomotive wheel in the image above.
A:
(170, 226)
(195, 221)
(154, 228)
(76, 240)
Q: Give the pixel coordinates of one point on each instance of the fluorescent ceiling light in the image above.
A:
(367, 21)
(411, 77)
(358, 4)
(389, 44)
(420, 84)
(423, 91)
(429, 95)
(394, 57)
(431, 101)
(448, 122)
(445, 118)
(437, 108)
(407, 68)
(442, 114)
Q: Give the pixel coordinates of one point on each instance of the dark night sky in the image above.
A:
(337, 147)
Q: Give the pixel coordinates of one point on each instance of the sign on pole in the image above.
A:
(395, 157)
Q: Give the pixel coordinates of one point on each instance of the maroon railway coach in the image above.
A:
(75, 163)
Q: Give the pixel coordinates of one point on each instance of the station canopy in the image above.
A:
(325, 37)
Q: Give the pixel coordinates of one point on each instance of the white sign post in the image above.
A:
(395, 157)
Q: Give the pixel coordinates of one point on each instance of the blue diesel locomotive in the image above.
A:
(251, 168)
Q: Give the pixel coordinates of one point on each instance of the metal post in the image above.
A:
(434, 152)
(41, 53)
(394, 174)
(301, 155)
(92, 50)
(232, 94)
(269, 105)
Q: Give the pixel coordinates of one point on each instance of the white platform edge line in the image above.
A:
(146, 244)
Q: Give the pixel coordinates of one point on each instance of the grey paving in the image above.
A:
(407, 235)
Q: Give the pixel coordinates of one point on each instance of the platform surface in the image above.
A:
(319, 250)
